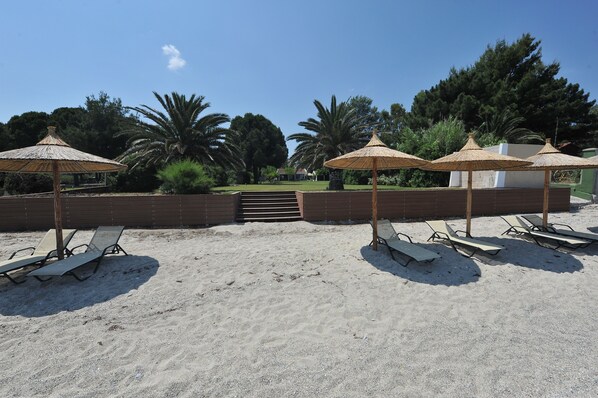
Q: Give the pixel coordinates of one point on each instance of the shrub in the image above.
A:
(18, 184)
(221, 176)
(185, 177)
(139, 179)
(356, 177)
(270, 174)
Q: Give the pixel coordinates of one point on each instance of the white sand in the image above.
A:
(306, 310)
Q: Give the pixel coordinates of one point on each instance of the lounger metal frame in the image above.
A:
(445, 237)
(112, 249)
(520, 230)
(40, 263)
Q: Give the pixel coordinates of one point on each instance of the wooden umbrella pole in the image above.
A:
(546, 192)
(57, 210)
(375, 203)
(469, 200)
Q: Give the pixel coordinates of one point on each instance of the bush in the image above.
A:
(270, 174)
(221, 176)
(185, 177)
(139, 179)
(356, 177)
(18, 184)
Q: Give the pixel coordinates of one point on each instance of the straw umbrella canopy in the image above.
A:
(375, 156)
(473, 158)
(549, 158)
(53, 155)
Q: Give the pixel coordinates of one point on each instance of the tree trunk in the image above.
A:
(336, 180)
(256, 175)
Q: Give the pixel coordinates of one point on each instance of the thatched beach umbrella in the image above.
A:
(53, 155)
(375, 156)
(473, 158)
(549, 158)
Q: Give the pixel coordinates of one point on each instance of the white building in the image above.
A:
(503, 179)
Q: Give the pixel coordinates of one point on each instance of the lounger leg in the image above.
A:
(117, 249)
(16, 282)
(42, 280)
(80, 279)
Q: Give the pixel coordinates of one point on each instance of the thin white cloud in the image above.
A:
(175, 62)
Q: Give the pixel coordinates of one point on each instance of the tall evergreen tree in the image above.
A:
(261, 143)
(509, 78)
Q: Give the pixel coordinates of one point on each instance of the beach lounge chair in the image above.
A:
(104, 241)
(537, 223)
(390, 238)
(444, 232)
(45, 250)
(519, 227)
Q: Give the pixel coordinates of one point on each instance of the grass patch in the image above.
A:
(301, 186)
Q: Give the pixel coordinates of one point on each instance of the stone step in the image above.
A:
(278, 209)
(271, 193)
(268, 203)
(268, 219)
(268, 206)
(263, 212)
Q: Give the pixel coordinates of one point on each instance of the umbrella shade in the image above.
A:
(549, 158)
(53, 155)
(374, 156)
(386, 158)
(473, 158)
(41, 157)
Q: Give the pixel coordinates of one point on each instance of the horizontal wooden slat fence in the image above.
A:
(426, 204)
(19, 213)
(174, 211)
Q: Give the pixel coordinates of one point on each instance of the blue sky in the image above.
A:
(270, 57)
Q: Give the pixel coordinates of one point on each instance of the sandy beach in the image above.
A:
(306, 310)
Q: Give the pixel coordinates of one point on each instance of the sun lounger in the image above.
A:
(519, 227)
(444, 232)
(45, 250)
(390, 238)
(537, 223)
(104, 241)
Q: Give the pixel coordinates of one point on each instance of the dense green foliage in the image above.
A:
(270, 174)
(261, 143)
(338, 130)
(443, 138)
(18, 184)
(511, 81)
(185, 177)
(179, 131)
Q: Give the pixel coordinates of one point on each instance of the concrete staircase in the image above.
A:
(268, 206)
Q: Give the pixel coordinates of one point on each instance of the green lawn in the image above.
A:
(297, 186)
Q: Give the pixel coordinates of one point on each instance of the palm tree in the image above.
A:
(339, 130)
(180, 132)
(506, 125)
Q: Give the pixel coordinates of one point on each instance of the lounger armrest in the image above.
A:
(76, 247)
(562, 225)
(109, 249)
(20, 250)
(440, 234)
(465, 232)
(405, 235)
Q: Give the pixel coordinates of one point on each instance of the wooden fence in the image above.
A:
(426, 204)
(174, 211)
(18, 214)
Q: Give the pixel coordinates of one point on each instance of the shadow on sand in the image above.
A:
(116, 275)
(450, 270)
(524, 252)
